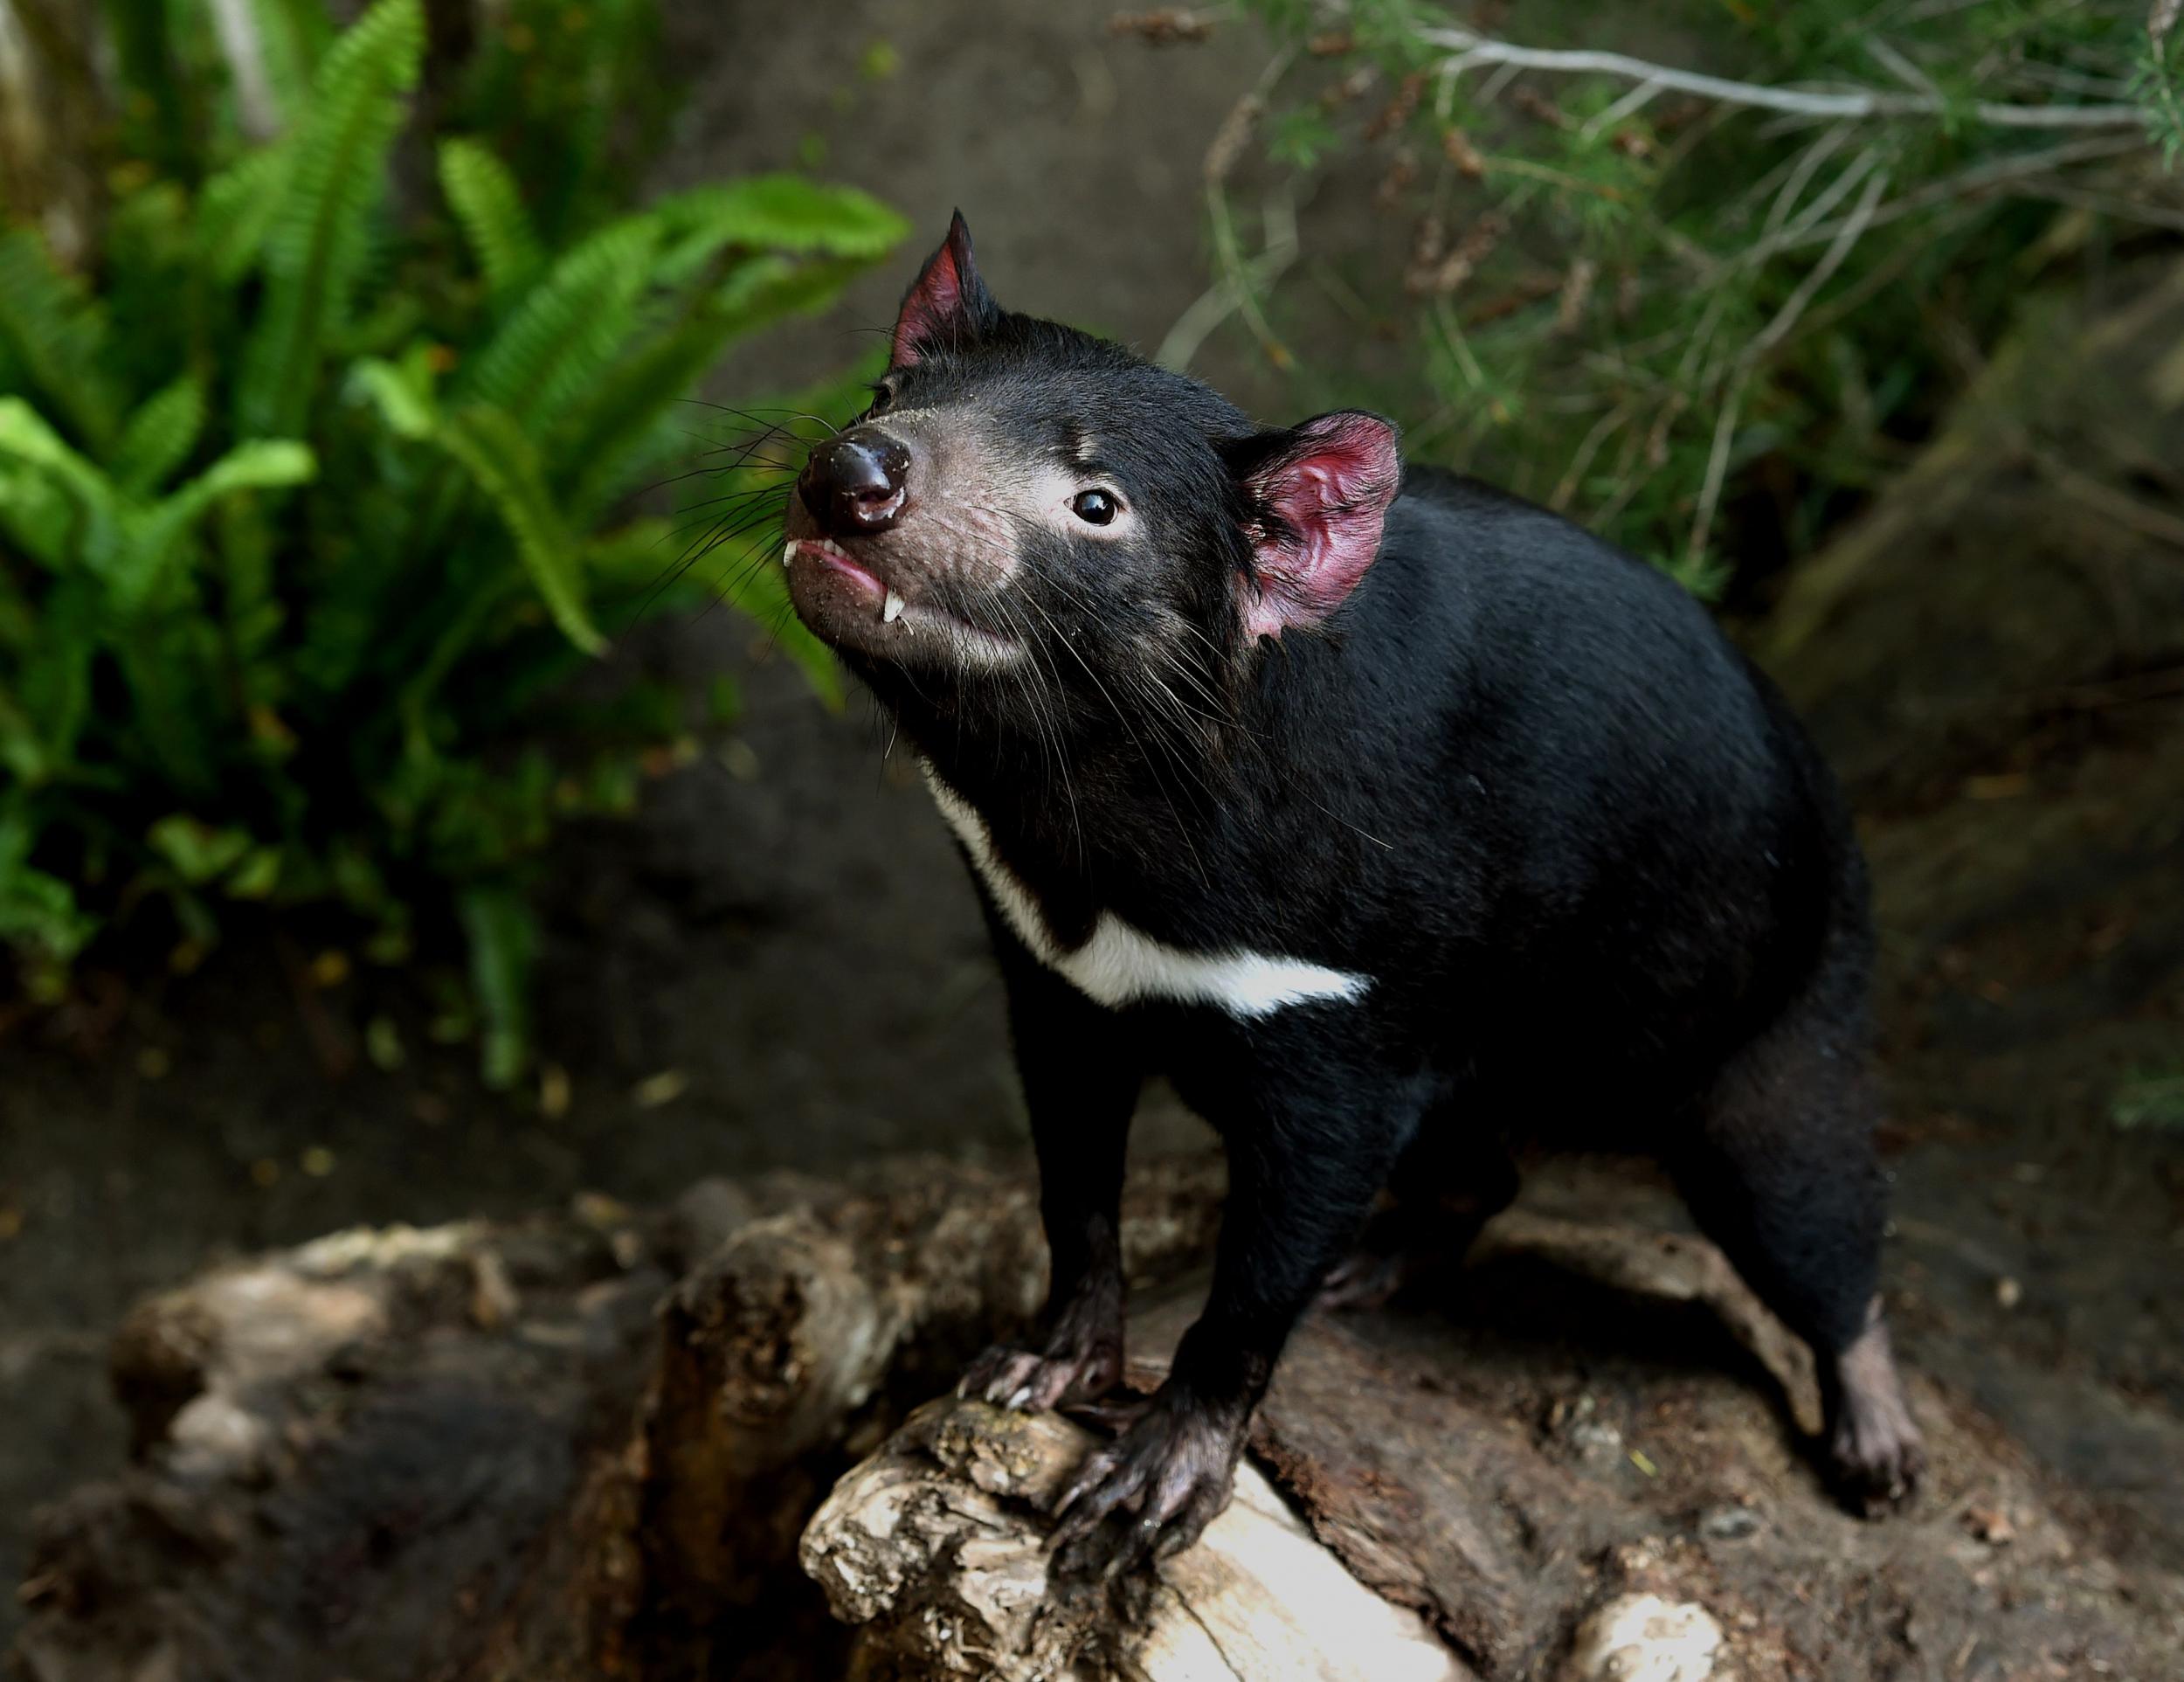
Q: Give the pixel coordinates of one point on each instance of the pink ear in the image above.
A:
(948, 305)
(1326, 486)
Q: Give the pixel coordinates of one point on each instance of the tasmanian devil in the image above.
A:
(1387, 815)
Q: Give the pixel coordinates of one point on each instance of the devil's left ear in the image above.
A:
(1318, 497)
(948, 306)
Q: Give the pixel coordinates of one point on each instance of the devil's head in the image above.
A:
(1029, 516)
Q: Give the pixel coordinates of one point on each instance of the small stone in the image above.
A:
(1729, 1524)
(1991, 1525)
(1645, 1638)
(2007, 1292)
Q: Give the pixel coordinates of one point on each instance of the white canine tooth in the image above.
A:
(788, 551)
(893, 611)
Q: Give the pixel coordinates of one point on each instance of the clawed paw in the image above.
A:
(1878, 1460)
(1081, 1362)
(1872, 1440)
(1024, 1382)
(1152, 1492)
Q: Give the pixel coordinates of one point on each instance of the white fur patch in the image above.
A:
(1122, 964)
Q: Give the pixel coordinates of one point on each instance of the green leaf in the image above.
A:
(489, 205)
(58, 336)
(258, 875)
(39, 913)
(152, 537)
(159, 437)
(408, 409)
(775, 212)
(41, 517)
(22, 755)
(237, 208)
(567, 327)
(503, 938)
(54, 687)
(632, 420)
(293, 36)
(504, 464)
(199, 851)
(762, 593)
(25, 436)
(316, 244)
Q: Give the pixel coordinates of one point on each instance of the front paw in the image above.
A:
(1080, 1361)
(1170, 1474)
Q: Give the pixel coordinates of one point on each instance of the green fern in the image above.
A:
(237, 208)
(630, 422)
(567, 328)
(777, 212)
(153, 535)
(56, 335)
(159, 437)
(26, 437)
(293, 36)
(316, 244)
(487, 201)
(493, 449)
(315, 663)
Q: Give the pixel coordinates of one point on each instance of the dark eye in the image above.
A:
(882, 396)
(1094, 508)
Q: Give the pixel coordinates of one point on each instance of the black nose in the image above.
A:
(854, 485)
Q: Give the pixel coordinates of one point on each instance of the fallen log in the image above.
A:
(585, 1447)
(1583, 1467)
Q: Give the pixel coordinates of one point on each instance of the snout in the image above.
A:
(853, 486)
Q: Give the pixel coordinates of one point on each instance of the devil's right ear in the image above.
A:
(948, 306)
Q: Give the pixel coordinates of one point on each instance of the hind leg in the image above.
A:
(1780, 1172)
(1450, 1182)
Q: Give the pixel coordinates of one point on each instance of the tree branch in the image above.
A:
(1470, 49)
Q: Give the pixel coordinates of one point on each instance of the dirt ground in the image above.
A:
(781, 964)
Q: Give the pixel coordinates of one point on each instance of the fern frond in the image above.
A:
(56, 334)
(487, 203)
(26, 435)
(237, 206)
(503, 933)
(762, 593)
(159, 437)
(567, 327)
(628, 421)
(152, 537)
(318, 242)
(406, 407)
(777, 212)
(493, 451)
(40, 724)
(616, 433)
(293, 36)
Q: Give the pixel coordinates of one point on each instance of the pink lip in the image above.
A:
(821, 549)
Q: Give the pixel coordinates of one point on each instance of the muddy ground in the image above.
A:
(781, 965)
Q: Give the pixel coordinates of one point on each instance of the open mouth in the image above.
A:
(829, 553)
(848, 603)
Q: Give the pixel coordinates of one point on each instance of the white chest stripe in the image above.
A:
(1121, 964)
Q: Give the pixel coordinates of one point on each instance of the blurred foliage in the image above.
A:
(1673, 261)
(315, 477)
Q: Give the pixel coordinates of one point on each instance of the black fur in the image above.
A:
(1606, 891)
